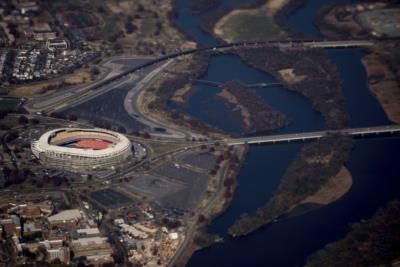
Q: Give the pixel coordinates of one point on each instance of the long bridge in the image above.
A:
(307, 136)
(55, 103)
(284, 44)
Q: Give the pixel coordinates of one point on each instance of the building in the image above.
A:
(31, 211)
(25, 6)
(56, 250)
(57, 44)
(82, 150)
(68, 219)
(32, 229)
(133, 231)
(97, 250)
(26, 211)
(43, 32)
(62, 254)
(11, 226)
(88, 232)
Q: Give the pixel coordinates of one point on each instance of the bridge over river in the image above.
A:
(282, 138)
(60, 101)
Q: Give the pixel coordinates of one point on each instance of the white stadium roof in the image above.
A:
(42, 145)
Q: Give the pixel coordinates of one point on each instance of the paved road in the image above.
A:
(130, 105)
(66, 97)
(37, 105)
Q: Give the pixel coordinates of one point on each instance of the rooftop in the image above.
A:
(73, 214)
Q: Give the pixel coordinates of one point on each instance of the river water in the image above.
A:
(373, 162)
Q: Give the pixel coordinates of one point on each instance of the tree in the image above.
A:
(22, 110)
(23, 120)
(202, 218)
(95, 71)
(121, 129)
(34, 121)
(129, 27)
(227, 193)
(4, 113)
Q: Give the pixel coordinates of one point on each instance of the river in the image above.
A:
(373, 162)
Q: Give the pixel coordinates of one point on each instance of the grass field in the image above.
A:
(255, 25)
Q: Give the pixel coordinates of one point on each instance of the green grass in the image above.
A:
(8, 104)
(243, 27)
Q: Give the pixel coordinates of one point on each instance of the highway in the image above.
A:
(75, 95)
(130, 105)
(356, 132)
(256, 44)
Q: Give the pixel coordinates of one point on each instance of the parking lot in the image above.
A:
(111, 199)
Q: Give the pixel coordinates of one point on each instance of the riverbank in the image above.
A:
(246, 24)
(384, 83)
(313, 75)
(309, 73)
(176, 85)
(372, 242)
(311, 175)
(203, 6)
(221, 197)
(353, 21)
(336, 187)
(381, 63)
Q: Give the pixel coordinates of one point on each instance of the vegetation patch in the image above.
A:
(257, 116)
(250, 25)
(374, 242)
(320, 81)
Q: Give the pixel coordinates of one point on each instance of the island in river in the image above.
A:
(312, 74)
(257, 116)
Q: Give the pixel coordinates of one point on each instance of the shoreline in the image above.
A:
(334, 189)
(382, 76)
(384, 84)
(297, 77)
(153, 101)
(222, 204)
(256, 115)
(313, 171)
(271, 8)
(299, 80)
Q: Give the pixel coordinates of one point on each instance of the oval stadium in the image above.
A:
(81, 149)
